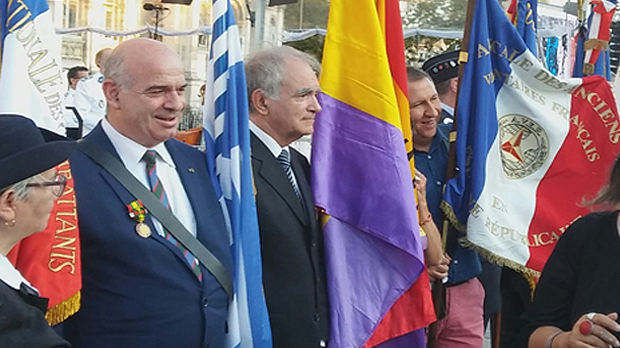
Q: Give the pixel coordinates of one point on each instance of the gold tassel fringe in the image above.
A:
(498, 260)
(64, 309)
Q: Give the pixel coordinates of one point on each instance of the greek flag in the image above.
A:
(227, 140)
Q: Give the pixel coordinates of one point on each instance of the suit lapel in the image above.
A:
(99, 137)
(269, 169)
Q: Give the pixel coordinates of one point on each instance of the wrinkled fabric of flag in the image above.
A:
(362, 181)
(530, 147)
(227, 142)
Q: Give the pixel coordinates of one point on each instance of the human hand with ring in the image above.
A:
(594, 330)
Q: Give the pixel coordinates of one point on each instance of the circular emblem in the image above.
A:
(143, 230)
(524, 146)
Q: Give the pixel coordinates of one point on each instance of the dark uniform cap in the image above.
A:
(442, 67)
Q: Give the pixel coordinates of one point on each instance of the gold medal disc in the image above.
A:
(143, 230)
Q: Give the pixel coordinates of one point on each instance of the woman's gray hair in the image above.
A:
(265, 70)
(22, 191)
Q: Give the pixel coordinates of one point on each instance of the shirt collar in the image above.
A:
(11, 276)
(448, 109)
(270, 142)
(133, 152)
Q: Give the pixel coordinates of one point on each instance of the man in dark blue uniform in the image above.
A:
(463, 324)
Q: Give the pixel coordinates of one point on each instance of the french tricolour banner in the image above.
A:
(32, 85)
(362, 180)
(529, 147)
(227, 140)
(32, 82)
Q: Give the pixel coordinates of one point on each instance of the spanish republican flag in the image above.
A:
(362, 180)
(32, 85)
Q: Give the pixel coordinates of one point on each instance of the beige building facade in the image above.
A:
(86, 26)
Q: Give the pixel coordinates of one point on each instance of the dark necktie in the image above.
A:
(285, 162)
(150, 157)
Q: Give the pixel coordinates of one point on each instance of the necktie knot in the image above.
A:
(150, 157)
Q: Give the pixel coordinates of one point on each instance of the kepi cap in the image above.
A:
(442, 67)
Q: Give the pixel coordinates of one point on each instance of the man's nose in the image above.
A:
(315, 106)
(175, 101)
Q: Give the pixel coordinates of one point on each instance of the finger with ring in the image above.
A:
(590, 315)
(585, 328)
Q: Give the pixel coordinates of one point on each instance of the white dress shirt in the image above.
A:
(11, 276)
(273, 146)
(131, 154)
(68, 115)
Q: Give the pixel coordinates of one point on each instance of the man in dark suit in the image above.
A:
(140, 289)
(283, 89)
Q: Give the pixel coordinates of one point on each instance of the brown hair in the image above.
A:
(609, 196)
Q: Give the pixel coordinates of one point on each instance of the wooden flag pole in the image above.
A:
(447, 232)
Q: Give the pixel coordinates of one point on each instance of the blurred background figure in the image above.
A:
(74, 75)
(29, 185)
(89, 99)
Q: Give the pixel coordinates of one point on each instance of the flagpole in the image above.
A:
(447, 232)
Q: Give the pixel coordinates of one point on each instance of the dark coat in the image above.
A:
(140, 292)
(292, 252)
(22, 324)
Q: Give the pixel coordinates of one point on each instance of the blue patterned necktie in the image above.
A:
(285, 162)
(150, 157)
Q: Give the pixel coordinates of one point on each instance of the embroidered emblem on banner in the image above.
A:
(524, 145)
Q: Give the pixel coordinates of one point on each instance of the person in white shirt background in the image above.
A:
(89, 99)
(74, 75)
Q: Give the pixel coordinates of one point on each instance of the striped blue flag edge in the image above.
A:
(227, 139)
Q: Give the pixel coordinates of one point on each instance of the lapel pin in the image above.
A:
(191, 170)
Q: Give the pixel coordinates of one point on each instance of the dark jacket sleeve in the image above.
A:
(23, 325)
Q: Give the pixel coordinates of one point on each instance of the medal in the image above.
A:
(137, 212)
(143, 230)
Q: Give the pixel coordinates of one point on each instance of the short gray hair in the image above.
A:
(265, 70)
(22, 191)
(115, 69)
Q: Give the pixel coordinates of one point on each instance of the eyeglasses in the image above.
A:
(58, 184)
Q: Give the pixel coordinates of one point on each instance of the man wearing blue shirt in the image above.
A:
(463, 325)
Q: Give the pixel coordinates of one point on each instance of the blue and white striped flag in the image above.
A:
(227, 139)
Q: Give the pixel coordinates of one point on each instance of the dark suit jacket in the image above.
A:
(140, 292)
(292, 252)
(22, 324)
(444, 114)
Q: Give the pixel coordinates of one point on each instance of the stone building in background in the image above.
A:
(118, 17)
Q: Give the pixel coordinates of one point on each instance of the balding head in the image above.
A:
(144, 86)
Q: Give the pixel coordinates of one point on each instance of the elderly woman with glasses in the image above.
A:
(29, 185)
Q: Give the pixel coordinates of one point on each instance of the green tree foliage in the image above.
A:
(315, 14)
(435, 14)
(312, 45)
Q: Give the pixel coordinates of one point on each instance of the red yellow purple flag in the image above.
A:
(362, 180)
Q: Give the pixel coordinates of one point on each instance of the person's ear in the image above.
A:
(454, 85)
(259, 102)
(7, 206)
(111, 91)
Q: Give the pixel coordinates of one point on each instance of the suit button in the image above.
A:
(313, 244)
(205, 302)
(317, 317)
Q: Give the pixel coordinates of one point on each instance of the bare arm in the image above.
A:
(434, 251)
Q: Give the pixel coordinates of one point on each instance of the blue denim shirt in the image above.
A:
(465, 263)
